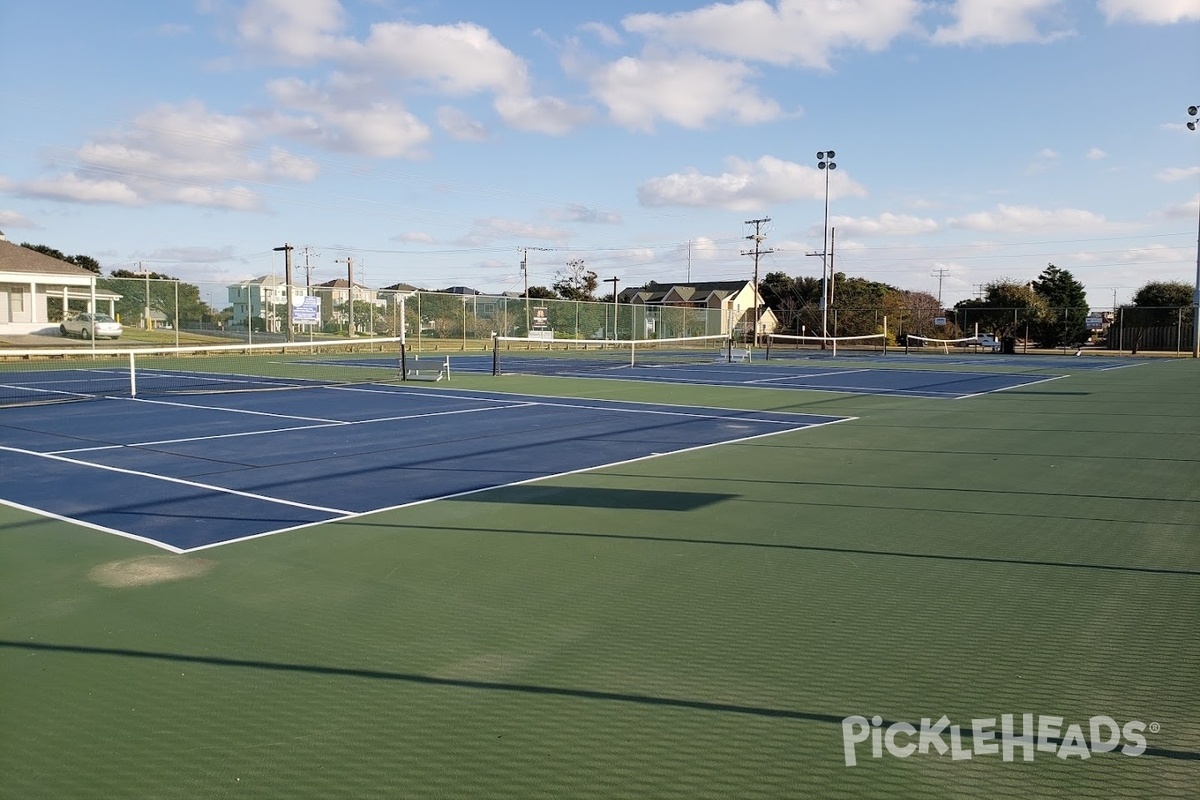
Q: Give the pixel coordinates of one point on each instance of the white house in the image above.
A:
(37, 290)
(264, 298)
(739, 304)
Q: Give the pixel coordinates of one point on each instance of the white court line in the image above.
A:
(182, 482)
(837, 373)
(337, 424)
(232, 410)
(85, 524)
(524, 482)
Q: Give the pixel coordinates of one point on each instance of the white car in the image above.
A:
(91, 326)
(982, 340)
(988, 341)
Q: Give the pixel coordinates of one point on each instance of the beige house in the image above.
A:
(740, 305)
(37, 291)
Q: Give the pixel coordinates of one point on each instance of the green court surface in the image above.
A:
(691, 626)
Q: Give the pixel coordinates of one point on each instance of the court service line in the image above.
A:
(233, 410)
(837, 373)
(469, 492)
(339, 424)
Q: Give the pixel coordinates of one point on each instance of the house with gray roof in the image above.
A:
(37, 290)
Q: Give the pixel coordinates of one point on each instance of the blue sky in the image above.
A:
(431, 141)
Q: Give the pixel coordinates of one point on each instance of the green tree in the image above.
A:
(1160, 303)
(1163, 294)
(540, 293)
(87, 262)
(1067, 309)
(576, 282)
(180, 302)
(1007, 308)
(856, 306)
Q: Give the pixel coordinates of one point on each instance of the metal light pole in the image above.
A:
(287, 281)
(825, 162)
(1194, 112)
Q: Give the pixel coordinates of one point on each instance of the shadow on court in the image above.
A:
(478, 685)
(584, 497)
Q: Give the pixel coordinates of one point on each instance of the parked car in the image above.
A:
(985, 340)
(91, 326)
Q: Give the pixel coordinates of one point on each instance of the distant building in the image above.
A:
(262, 298)
(736, 300)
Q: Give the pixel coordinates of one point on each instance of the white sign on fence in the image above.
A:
(307, 311)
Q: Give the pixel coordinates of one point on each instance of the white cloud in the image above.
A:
(488, 230)
(1175, 174)
(1044, 159)
(183, 154)
(302, 31)
(1155, 12)
(15, 219)
(346, 122)
(790, 32)
(1027, 219)
(603, 32)
(1184, 211)
(689, 91)
(459, 125)
(415, 237)
(746, 186)
(1096, 154)
(548, 115)
(457, 59)
(72, 187)
(581, 213)
(999, 22)
(194, 254)
(886, 224)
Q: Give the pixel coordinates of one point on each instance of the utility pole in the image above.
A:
(287, 286)
(613, 280)
(940, 273)
(689, 262)
(757, 237)
(349, 262)
(525, 272)
(146, 274)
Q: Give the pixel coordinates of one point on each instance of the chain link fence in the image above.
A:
(257, 311)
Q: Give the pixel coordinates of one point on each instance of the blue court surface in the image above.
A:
(196, 471)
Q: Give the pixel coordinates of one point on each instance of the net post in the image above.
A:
(403, 361)
(729, 350)
(767, 354)
(132, 376)
(834, 343)
(495, 354)
(633, 353)
(906, 339)
(446, 367)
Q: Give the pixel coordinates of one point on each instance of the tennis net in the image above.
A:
(532, 356)
(49, 376)
(780, 345)
(928, 344)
